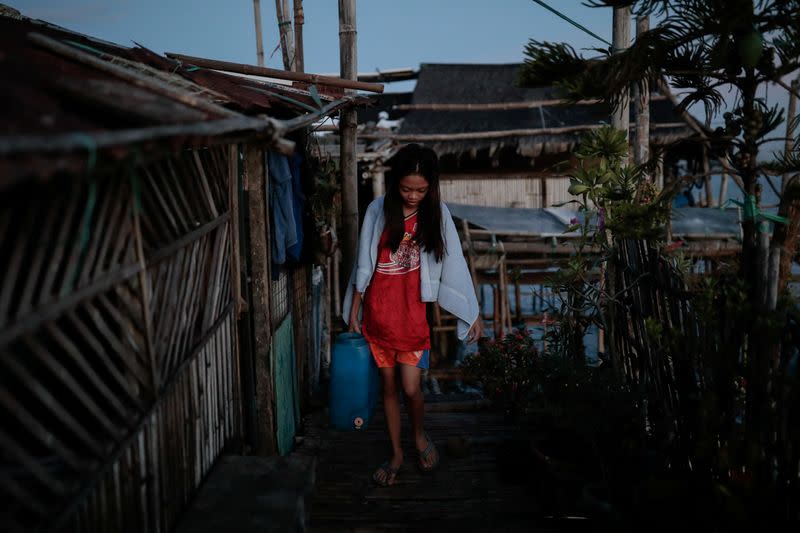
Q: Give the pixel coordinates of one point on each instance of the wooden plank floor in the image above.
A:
(465, 492)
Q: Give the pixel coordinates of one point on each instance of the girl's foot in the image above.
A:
(386, 474)
(428, 454)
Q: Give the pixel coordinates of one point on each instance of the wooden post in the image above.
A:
(723, 188)
(660, 171)
(707, 178)
(347, 131)
(791, 111)
(233, 205)
(620, 120)
(299, 20)
(441, 336)
(622, 39)
(784, 238)
(255, 179)
(496, 319)
(259, 40)
(336, 261)
(470, 256)
(285, 30)
(377, 181)
(641, 148)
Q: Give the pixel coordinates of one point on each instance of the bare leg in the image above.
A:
(391, 407)
(410, 376)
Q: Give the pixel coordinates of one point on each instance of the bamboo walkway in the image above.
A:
(466, 493)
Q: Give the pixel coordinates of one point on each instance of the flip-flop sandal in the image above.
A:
(424, 454)
(390, 472)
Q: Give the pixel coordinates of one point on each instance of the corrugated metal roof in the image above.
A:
(687, 222)
(699, 222)
(542, 222)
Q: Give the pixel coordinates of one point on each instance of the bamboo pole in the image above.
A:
(285, 31)
(641, 149)
(347, 123)
(259, 36)
(620, 119)
(299, 20)
(499, 106)
(497, 133)
(785, 237)
(233, 205)
(276, 73)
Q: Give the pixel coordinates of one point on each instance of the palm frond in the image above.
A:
(558, 65)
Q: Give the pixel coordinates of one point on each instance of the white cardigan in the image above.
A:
(447, 282)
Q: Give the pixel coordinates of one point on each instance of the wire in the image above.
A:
(579, 26)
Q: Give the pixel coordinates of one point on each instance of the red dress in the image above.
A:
(394, 313)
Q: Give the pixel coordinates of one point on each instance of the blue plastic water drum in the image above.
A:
(354, 383)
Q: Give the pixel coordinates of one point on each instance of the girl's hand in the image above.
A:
(355, 323)
(475, 332)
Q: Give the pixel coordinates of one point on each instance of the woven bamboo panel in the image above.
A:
(118, 367)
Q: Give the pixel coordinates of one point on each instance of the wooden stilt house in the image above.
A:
(144, 327)
(505, 146)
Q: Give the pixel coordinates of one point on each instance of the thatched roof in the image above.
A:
(451, 84)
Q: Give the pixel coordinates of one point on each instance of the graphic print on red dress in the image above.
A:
(405, 259)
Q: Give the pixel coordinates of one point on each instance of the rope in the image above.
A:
(579, 26)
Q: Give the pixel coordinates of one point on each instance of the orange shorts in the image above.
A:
(387, 357)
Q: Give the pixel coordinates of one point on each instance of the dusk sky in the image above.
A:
(391, 33)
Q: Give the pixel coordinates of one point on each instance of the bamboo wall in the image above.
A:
(684, 353)
(119, 369)
(504, 190)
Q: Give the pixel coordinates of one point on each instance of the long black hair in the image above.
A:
(414, 159)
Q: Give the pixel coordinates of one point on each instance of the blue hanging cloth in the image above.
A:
(281, 206)
(294, 251)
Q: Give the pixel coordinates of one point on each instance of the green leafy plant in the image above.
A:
(737, 328)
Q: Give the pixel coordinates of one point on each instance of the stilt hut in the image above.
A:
(505, 146)
(146, 324)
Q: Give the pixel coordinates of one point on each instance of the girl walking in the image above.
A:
(409, 253)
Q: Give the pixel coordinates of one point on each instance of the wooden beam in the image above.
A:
(380, 76)
(255, 179)
(265, 129)
(277, 74)
(497, 133)
(500, 106)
